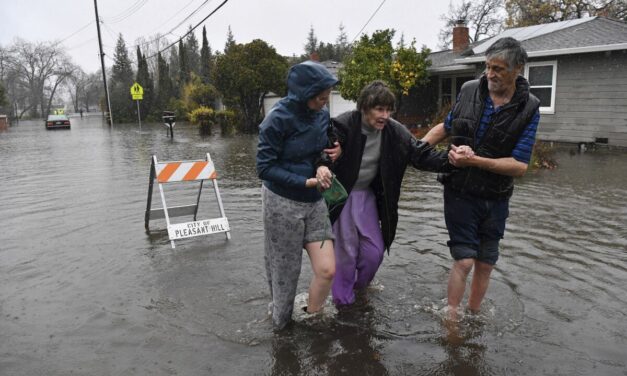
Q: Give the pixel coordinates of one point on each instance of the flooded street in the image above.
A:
(85, 290)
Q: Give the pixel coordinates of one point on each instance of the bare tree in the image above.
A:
(614, 9)
(84, 89)
(64, 70)
(39, 69)
(484, 18)
(75, 85)
(92, 92)
(535, 12)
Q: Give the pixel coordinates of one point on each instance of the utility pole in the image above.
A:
(104, 72)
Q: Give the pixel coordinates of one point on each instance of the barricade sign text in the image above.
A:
(185, 171)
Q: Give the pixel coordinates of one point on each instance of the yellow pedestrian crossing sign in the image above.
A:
(137, 92)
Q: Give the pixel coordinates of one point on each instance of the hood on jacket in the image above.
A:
(308, 79)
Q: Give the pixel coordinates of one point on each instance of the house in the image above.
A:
(577, 68)
(4, 122)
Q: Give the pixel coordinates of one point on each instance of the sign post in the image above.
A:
(137, 92)
(185, 171)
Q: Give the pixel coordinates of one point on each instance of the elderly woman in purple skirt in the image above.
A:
(376, 150)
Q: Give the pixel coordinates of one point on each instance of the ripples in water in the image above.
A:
(84, 289)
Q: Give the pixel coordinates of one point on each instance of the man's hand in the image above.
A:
(460, 156)
(334, 152)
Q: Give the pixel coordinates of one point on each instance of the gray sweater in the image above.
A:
(370, 159)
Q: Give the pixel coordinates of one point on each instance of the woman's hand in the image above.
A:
(311, 183)
(322, 180)
(324, 177)
(334, 152)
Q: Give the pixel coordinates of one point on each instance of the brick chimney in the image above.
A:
(461, 37)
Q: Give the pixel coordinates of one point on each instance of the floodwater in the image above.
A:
(85, 290)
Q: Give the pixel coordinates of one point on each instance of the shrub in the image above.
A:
(204, 117)
(543, 156)
(227, 119)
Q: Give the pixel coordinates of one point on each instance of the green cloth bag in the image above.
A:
(335, 194)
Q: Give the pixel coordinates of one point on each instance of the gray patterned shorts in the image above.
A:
(288, 226)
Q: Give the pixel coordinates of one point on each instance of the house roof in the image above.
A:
(444, 61)
(591, 34)
(527, 33)
(332, 66)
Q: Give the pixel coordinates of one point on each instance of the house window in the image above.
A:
(542, 76)
(459, 81)
(450, 89)
(447, 91)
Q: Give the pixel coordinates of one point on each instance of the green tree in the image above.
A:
(206, 59)
(183, 65)
(164, 86)
(230, 40)
(325, 51)
(191, 49)
(174, 68)
(312, 43)
(145, 80)
(122, 104)
(245, 73)
(3, 98)
(198, 94)
(342, 46)
(375, 58)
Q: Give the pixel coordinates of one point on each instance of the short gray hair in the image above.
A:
(376, 93)
(508, 49)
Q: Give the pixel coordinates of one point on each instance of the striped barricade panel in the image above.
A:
(185, 171)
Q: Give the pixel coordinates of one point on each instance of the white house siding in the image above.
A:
(268, 101)
(337, 104)
(591, 100)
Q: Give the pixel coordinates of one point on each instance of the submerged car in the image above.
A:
(57, 121)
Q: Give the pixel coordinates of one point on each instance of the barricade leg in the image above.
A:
(150, 184)
(215, 187)
(165, 212)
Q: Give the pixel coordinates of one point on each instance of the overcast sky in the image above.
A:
(284, 24)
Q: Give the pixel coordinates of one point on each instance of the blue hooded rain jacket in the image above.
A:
(292, 136)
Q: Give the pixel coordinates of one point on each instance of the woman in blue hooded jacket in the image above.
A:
(292, 139)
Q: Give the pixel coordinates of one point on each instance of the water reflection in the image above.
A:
(83, 287)
(462, 341)
(348, 345)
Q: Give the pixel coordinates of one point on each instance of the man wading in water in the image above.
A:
(496, 117)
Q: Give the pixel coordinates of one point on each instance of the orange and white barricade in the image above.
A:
(185, 171)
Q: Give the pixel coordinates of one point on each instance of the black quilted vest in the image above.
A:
(499, 139)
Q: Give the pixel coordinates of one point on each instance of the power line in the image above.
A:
(190, 30)
(112, 33)
(74, 33)
(369, 19)
(191, 14)
(81, 44)
(174, 15)
(175, 27)
(129, 12)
